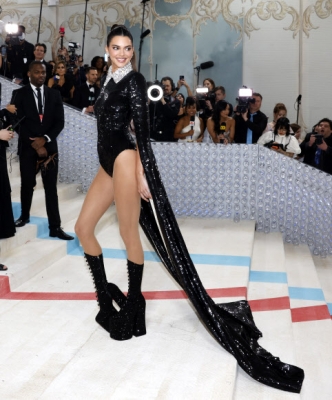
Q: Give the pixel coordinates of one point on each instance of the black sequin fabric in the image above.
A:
(231, 324)
(113, 113)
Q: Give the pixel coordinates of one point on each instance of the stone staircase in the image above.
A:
(54, 349)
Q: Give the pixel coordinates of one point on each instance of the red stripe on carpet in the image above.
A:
(314, 313)
(4, 285)
(155, 295)
(277, 303)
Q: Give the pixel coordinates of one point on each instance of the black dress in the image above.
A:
(231, 324)
(7, 227)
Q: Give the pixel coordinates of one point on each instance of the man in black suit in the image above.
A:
(39, 54)
(19, 55)
(86, 95)
(250, 125)
(37, 146)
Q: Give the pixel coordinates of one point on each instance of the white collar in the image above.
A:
(118, 74)
(35, 87)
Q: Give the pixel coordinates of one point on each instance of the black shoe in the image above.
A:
(21, 222)
(60, 234)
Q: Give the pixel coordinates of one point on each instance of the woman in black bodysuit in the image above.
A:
(126, 175)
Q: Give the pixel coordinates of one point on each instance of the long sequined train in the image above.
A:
(231, 324)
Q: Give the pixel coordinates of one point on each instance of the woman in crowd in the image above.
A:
(209, 83)
(279, 111)
(297, 132)
(190, 127)
(221, 127)
(7, 226)
(181, 99)
(281, 135)
(128, 173)
(62, 82)
(98, 63)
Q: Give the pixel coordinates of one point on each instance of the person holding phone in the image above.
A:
(182, 83)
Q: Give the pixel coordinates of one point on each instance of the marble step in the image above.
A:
(324, 271)
(268, 280)
(65, 192)
(312, 335)
(27, 260)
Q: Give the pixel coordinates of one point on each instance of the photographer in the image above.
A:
(19, 54)
(164, 113)
(280, 139)
(220, 93)
(317, 147)
(182, 82)
(250, 125)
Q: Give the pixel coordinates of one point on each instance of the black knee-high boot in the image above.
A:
(130, 320)
(106, 292)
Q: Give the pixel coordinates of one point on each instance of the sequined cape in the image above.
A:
(231, 324)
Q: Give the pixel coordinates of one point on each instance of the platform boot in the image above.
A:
(130, 320)
(106, 292)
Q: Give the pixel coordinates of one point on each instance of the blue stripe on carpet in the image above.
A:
(298, 293)
(73, 247)
(329, 305)
(265, 276)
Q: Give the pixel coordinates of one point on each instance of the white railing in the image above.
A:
(216, 181)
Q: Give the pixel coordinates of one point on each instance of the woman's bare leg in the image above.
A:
(128, 204)
(98, 199)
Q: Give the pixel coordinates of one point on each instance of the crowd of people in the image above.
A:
(179, 115)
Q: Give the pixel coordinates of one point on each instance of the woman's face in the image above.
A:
(280, 114)
(191, 110)
(100, 63)
(180, 98)
(282, 131)
(61, 70)
(208, 84)
(121, 51)
(224, 113)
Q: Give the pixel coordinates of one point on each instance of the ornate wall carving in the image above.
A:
(199, 13)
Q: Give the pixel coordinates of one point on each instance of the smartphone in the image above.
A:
(181, 77)
(106, 57)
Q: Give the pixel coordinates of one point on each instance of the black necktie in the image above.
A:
(90, 86)
(40, 104)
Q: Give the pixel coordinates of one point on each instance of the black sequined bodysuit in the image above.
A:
(231, 324)
(113, 113)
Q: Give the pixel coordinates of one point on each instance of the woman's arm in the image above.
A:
(178, 129)
(201, 136)
(210, 128)
(232, 131)
(142, 186)
(50, 82)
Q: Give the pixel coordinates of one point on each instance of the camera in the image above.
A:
(156, 91)
(273, 145)
(319, 139)
(203, 95)
(244, 100)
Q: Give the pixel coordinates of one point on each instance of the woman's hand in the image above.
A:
(5, 134)
(143, 188)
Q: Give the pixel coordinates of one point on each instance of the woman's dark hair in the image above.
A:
(211, 81)
(221, 105)
(191, 101)
(183, 98)
(95, 60)
(282, 122)
(121, 30)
